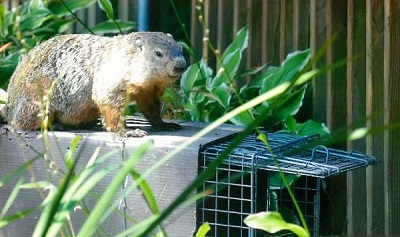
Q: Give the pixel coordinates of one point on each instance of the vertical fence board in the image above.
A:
(206, 13)
(317, 39)
(375, 111)
(225, 32)
(256, 34)
(282, 30)
(289, 28)
(271, 30)
(196, 33)
(301, 24)
(241, 15)
(392, 116)
(336, 101)
(356, 100)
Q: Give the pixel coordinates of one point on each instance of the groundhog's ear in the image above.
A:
(138, 42)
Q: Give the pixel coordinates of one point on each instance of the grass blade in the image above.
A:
(95, 218)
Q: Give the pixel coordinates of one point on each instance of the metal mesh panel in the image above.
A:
(226, 207)
(248, 182)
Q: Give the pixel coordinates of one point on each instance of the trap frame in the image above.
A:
(248, 181)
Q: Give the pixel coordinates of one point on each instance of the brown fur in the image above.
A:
(87, 76)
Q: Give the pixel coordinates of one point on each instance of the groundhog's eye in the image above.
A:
(159, 54)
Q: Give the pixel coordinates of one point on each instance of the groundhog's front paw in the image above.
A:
(135, 133)
(167, 126)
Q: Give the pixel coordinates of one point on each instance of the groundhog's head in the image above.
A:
(162, 57)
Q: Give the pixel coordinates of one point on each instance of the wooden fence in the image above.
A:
(363, 94)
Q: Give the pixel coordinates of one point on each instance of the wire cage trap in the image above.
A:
(248, 181)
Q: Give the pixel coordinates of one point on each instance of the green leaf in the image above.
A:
(310, 127)
(290, 124)
(287, 104)
(240, 43)
(227, 70)
(7, 68)
(275, 182)
(106, 6)
(203, 230)
(2, 18)
(195, 76)
(243, 119)
(223, 96)
(58, 8)
(230, 60)
(33, 21)
(273, 222)
(36, 5)
(213, 111)
(288, 71)
(189, 77)
(251, 71)
(109, 27)
(291, 106)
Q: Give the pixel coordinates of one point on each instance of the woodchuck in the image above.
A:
(89, 76)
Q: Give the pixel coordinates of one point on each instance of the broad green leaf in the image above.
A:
(30, 22)
(290, 124)
(273, 222)
(109, 27)
(275, 181)
(203, 230)
(240, 43)
(106, 6)
(197, 98)
(227, 70)
(195, 76)
(288, 70)
(242, 119)
(223, 96)
(189, 77)
(251, 71)
(287, 104)
(213, 112)
(2, 16)
(58, 8)
(35, 5)
(265, 77)
(311, 127)
(291, 106)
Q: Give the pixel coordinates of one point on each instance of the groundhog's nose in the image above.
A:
(180, 65)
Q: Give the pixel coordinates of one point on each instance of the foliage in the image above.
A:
(37, 20)
(272, 98)
(207, 97)
(273, 222)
